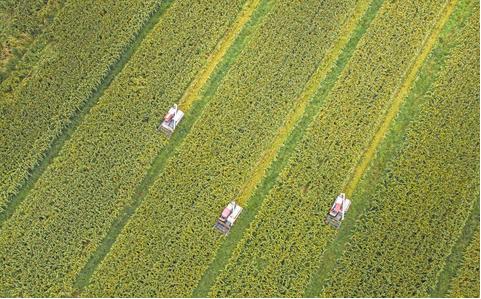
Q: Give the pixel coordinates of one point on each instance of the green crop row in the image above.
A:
(283, 247)
(21, 23)
(59, 225)
(420, 203)
(168, 244)
(466, 282)
(79, 54)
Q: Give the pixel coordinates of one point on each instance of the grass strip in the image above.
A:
(388, 147)
(192, 93)
(321, 82)
(389, 224)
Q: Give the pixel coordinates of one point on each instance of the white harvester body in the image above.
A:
(227, 218)
(171, 120)
(338, 210)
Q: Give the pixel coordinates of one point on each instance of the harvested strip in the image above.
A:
(192, 93)
(390, 144)
(158, 164)
(450, 275)
(413, 212)
(289, 226)
(65, 77)
(284, 153)
(216, 158)
(67, 214)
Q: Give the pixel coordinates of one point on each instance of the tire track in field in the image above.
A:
(455, 259)
(334, 250)
(196, 97)
(193, 91)
(275, 158)
(76, 120)
(308, 92)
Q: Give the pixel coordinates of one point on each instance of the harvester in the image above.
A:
(228, 217)
(338, 210)
(171, 120)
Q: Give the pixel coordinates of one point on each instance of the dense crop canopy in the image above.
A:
(71, 208)
(287, 104)
(80, 52)
(283, 246)
(421, 202)
(169, 242)
(466, 282)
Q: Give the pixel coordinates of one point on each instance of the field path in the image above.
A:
(275, 158)
(69, 130)
(196, 97)
(334, 250)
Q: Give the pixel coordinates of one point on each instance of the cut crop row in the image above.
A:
(69, 211)
(80, 53)
(169, 243)
(420, 204)
(392, 137)
(283, 246)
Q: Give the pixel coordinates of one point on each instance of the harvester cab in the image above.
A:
(228, 217)
(171, 120)
(338, 210)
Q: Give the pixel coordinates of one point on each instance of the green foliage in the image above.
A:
(168, 244)
(70, 68)
(420, 204)
(284, 244)
(63, 219)
(466, 282)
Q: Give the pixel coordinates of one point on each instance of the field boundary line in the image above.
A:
(401, 94)
(193, 91)
(320, 82)
(198, 98)
(76, 119)
(307, 93)
(334, 250)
